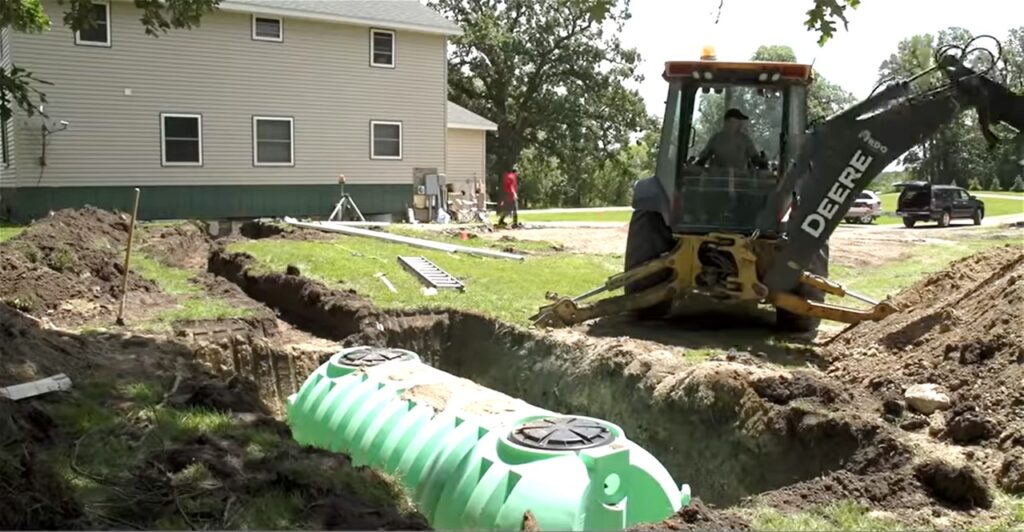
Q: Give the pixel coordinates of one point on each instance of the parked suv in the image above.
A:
(920, 202)
(865, 208)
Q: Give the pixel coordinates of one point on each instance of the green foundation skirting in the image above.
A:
(24, 204)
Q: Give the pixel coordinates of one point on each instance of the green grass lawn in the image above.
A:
(508, 290)
(594, 216)
(890, 278)
(8, 231)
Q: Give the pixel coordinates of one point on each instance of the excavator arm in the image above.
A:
(845, 153)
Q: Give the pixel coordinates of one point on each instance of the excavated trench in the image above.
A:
(730, 429)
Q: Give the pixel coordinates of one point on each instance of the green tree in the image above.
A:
(993, 184)
(552, 74)
(973, 184)
(19, 88)
(1018, 184)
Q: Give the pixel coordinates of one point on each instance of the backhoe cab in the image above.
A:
(703, 235)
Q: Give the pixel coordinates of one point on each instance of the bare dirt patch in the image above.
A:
(599, 241)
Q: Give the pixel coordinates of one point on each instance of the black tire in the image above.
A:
(909, 222)
(945, 219)
(977, 216)
(798, 323)
(648, 239)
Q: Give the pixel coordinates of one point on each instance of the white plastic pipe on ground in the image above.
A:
(417, 242)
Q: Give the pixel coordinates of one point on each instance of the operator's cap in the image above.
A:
(735, 113)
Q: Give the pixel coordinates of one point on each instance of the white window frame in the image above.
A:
(78, 34)
(280, 25)
(163, 139)
(291, 138)
(373, 140)
(394, 48)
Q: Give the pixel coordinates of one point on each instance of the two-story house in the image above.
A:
(255, 112)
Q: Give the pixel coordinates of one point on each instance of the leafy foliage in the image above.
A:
(554, 76)
(822, 17)
(19, 88)
(974, 184)
(1018, 184)
(957, 153)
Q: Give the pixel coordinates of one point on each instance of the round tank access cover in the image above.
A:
(373, 356)
(561, 434)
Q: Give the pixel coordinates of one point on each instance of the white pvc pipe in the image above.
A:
(417, 242)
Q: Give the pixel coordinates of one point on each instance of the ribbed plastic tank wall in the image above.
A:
(473, 458)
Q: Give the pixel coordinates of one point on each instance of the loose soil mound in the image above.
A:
(963, 329)
(69, 264)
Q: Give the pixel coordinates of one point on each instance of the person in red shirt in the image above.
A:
(510, 202)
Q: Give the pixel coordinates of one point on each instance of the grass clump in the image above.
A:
(843, 515)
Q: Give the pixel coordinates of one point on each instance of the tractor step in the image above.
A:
(430, 274)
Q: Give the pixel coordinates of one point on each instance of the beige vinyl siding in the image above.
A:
(8, 171)
(319, 76)
(465, 156)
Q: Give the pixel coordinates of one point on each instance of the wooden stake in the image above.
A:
(127, 259)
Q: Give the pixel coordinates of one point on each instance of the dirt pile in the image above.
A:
(961, 329)
(70, 263)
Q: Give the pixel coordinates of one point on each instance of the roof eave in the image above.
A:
(481, 127)
(292, 13)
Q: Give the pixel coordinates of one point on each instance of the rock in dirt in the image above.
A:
(1011, 473)
(963, 486)
(914, 423)
(967, 425)
(926, 398)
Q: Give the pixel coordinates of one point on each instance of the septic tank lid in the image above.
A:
(561, 434)
(372, 356)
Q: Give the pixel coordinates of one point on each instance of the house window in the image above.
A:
(99, 33)
(272, 141)
(181, 137)
(385, 140)
(267, 29)
(382, 48)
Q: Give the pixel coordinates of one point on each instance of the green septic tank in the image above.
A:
(473, 458)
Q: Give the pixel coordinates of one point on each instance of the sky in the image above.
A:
(665, 30)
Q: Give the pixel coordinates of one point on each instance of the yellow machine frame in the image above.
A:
(685, 265)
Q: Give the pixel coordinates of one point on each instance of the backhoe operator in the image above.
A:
(731, 147)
